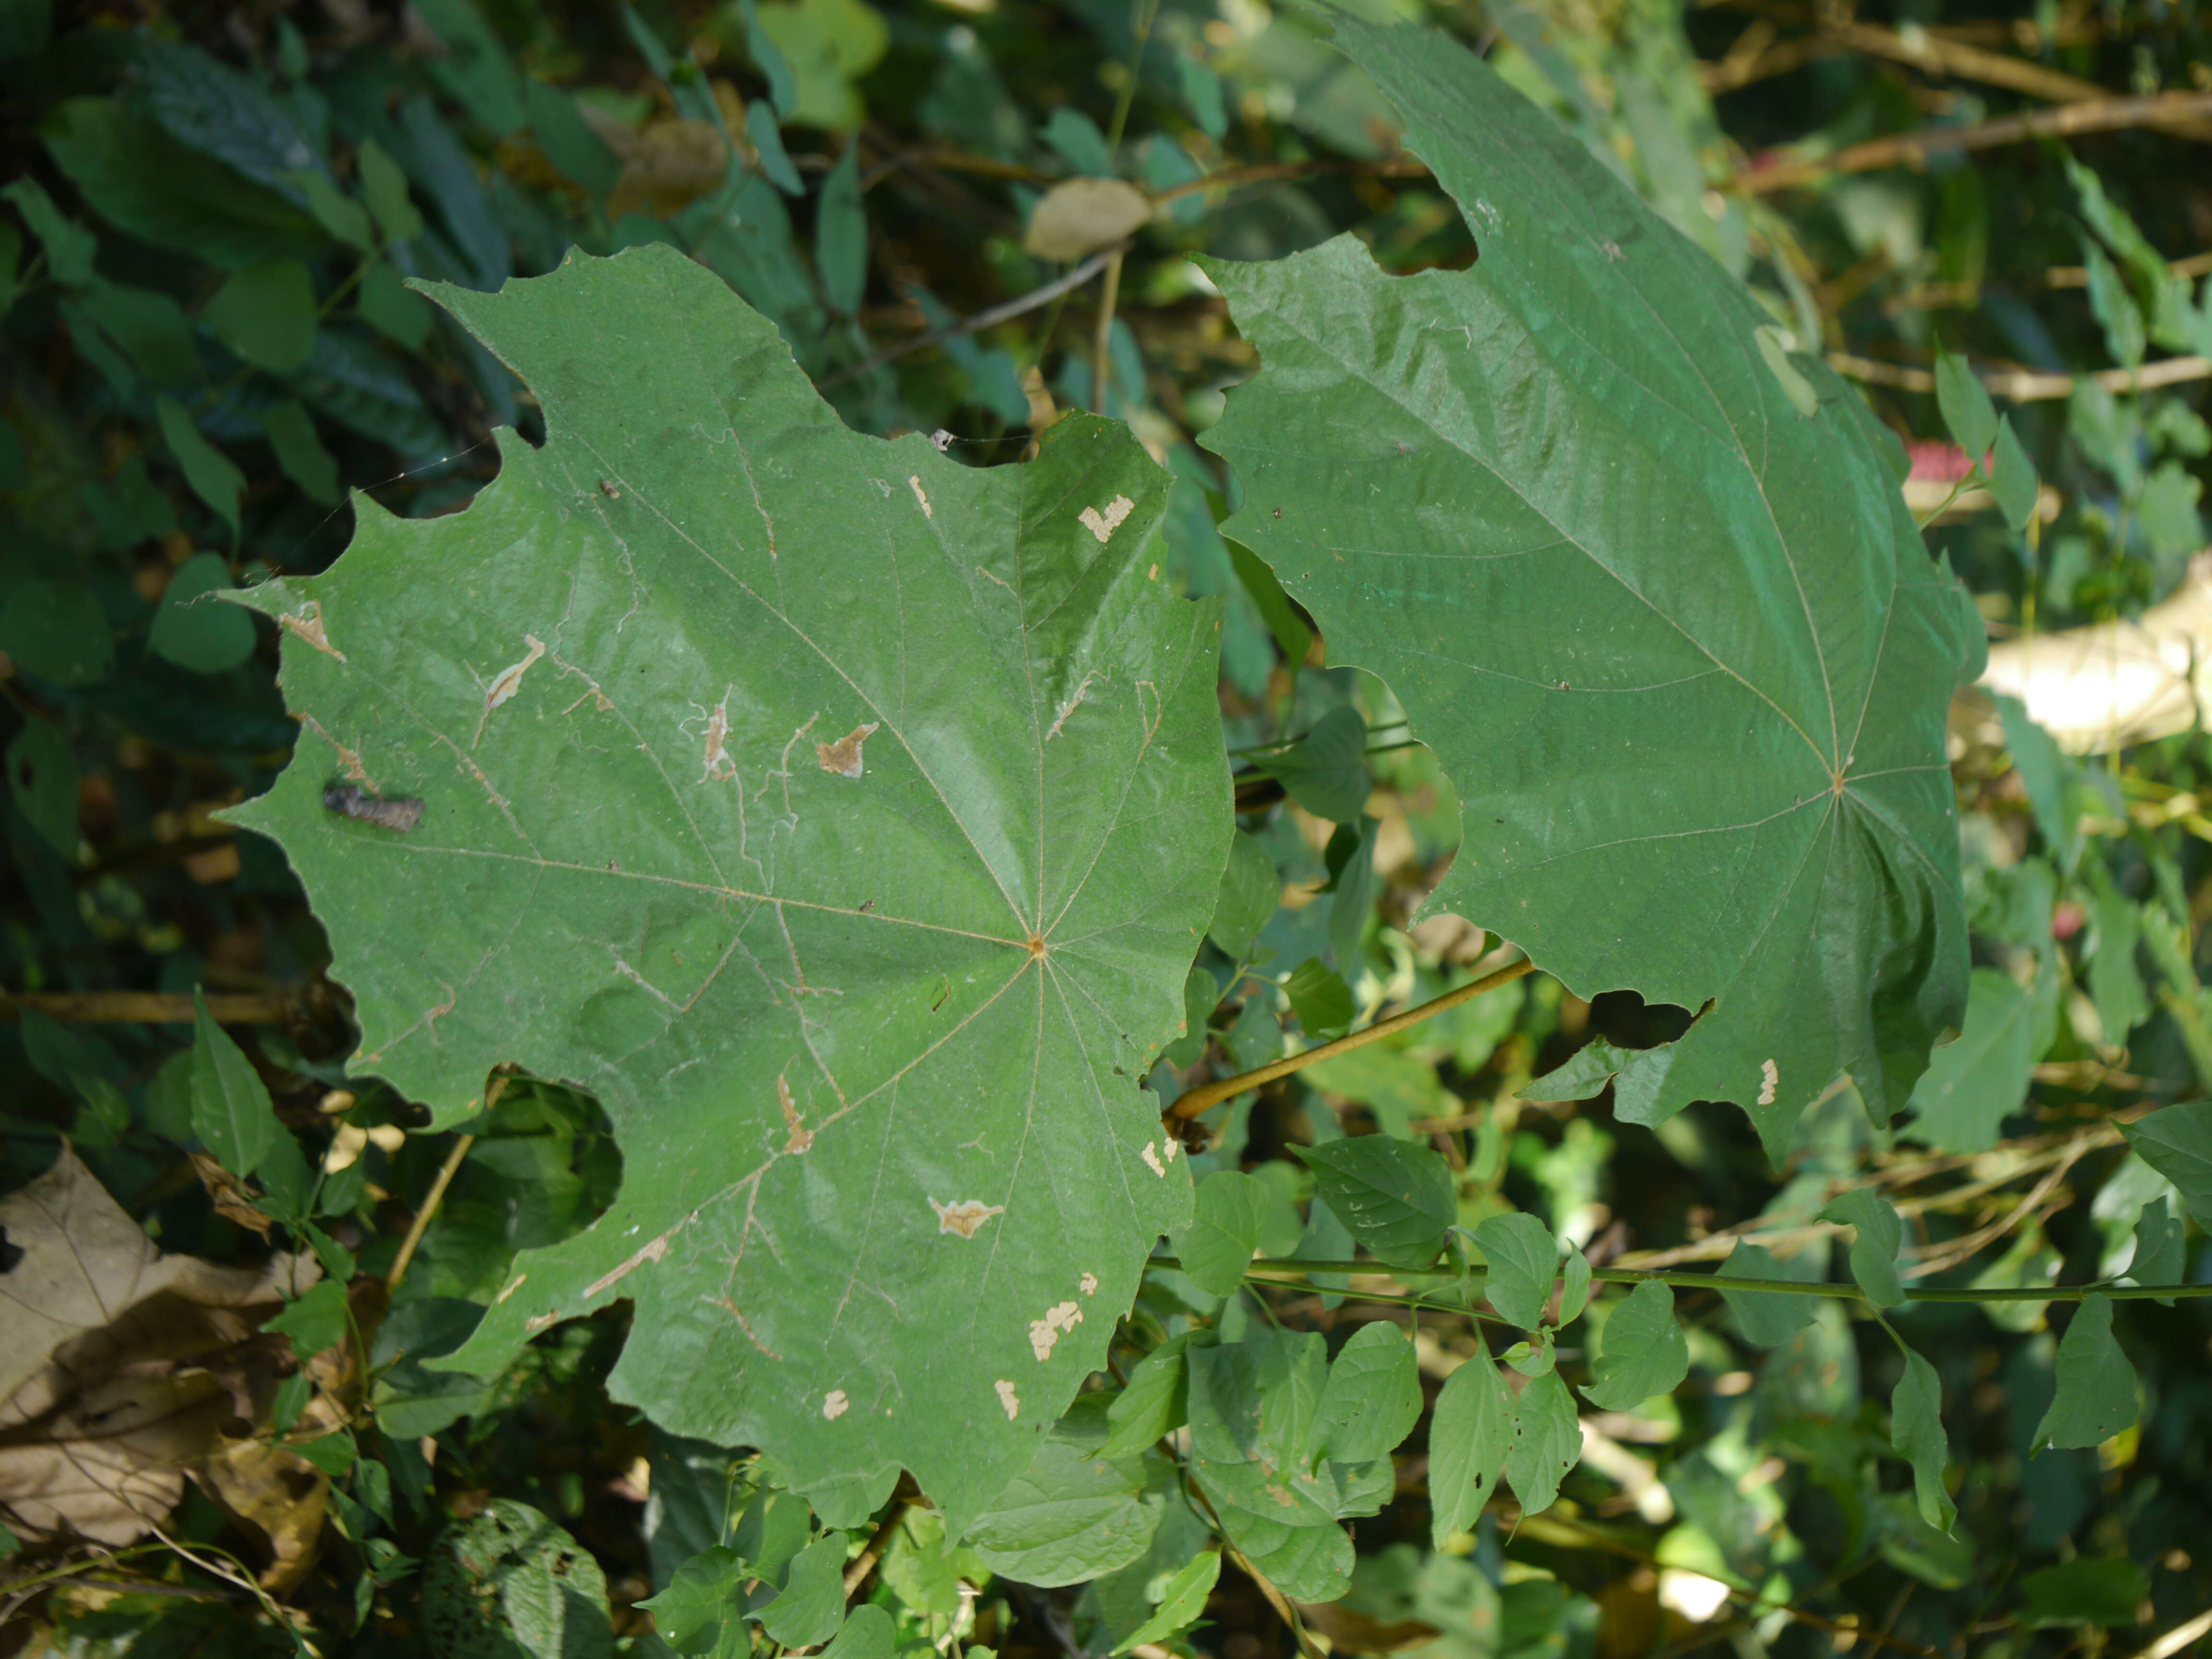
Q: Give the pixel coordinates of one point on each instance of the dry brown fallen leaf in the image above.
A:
(121, 1369)
(1079, 216)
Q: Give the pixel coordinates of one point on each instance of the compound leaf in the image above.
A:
(1678, 647)
(846, 817)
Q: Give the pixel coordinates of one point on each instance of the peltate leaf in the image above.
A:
(1468, 1437)
(1679, 647)
(845, 818)
(2096, 1396)
(2177, 1142)
(1395, 1196)
(1644, 1352)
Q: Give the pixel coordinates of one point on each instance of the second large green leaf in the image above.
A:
(1678, 645)
(847, 818)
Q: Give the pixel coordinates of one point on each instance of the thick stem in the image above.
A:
(1101, 341)
(1213, 1094)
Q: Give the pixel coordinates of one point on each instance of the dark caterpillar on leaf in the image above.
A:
(352, 801)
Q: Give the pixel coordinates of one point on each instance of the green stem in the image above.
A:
(1694, 1281)
(1206, 1095)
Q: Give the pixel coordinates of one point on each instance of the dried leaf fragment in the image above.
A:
(1077, 217)
(843, 756)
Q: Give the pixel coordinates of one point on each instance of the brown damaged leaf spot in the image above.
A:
(351, 801)
(922, 495)
(308, 625)
(800, 1137)
(505, 683)
(1008, 1398)
(842, 758)
(835, 1403)
(652, 1252)
(965, 1218)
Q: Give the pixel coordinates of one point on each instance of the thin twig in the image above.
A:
(1270, 172)
(1212, 1094)
(1074, 278)
(2068, 120)
(415, 1229)
(1102, 340)
(2027, 385)
(149, 1007)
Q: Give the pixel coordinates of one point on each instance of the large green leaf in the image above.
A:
(1679, 647)
(845, 818)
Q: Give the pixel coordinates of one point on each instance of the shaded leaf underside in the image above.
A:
(845, 818)
(1678, 648)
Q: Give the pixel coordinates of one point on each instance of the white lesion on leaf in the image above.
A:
(1070, 703)
(1090, 1284)
(1769, 1082)
(1045, 1334)
(512, 1286)
(842, 758)
(797, 1138)
(964, 1218)
(835, 1403)
(653, 1250)
(506, 683)
(922, 495)
(1103, 524)
(718, 765)
(1008, 1398)
(1153, 1161)
(307, 623)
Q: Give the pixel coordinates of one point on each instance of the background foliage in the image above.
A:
(207, 337)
